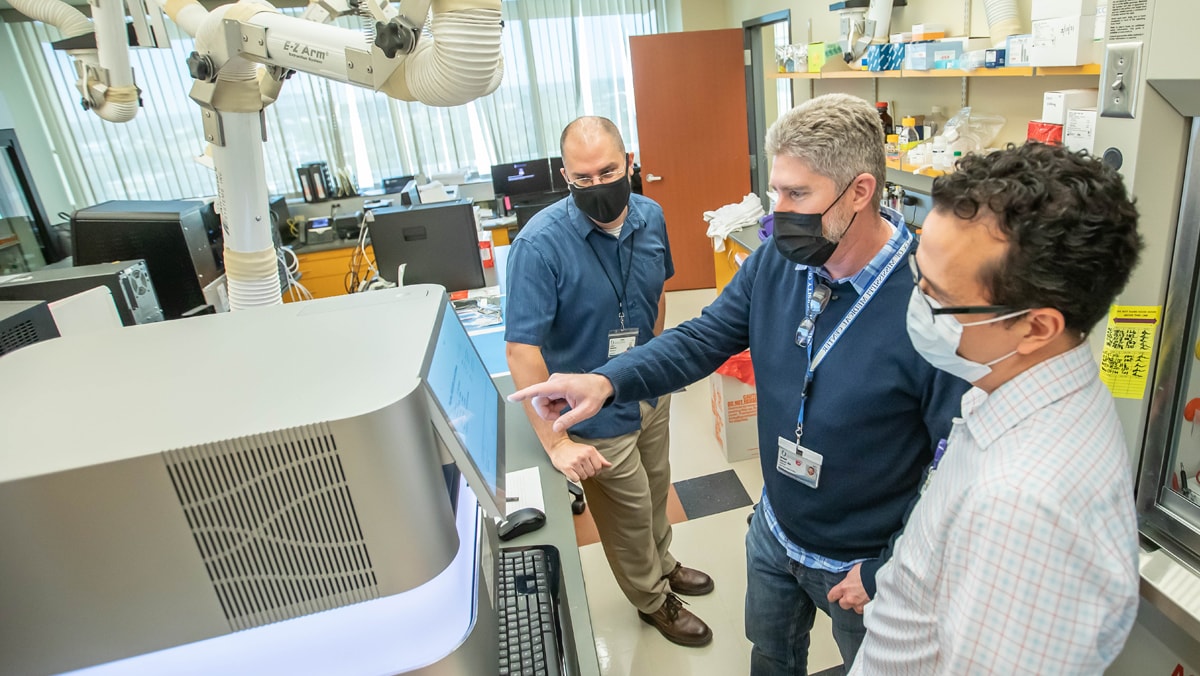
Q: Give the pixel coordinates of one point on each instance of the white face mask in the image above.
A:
(936, 338)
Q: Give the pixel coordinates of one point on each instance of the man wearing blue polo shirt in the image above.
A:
(849, 414)
(585, 283)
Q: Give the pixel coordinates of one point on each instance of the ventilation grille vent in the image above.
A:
(272, 517)
(17, 336)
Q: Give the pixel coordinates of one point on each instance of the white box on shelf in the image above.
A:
(735, 417)
(1080, 131)
(1017, 52)
(1065, 41)
(1053, 9)
(1056, 104)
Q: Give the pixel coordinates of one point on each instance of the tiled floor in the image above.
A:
(707, 536)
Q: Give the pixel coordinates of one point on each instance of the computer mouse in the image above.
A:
(520, 522)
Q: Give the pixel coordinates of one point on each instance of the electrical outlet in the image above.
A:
(1120, 79)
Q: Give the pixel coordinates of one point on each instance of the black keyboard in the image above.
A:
(527, 582)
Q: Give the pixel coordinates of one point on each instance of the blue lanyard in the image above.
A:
(847, 320)
(624, 291)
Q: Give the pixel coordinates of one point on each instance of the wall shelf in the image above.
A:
(857, 74)
(908, 169)
(1015, 71)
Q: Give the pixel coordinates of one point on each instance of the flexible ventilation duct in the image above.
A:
(1002, 19)
(120, 103)
(68, 20)
(120, 98)
(460, 64)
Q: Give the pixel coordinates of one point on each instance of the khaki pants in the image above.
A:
(629, 505)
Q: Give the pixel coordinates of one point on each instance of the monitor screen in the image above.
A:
(521, 178)
(557, 182)
(436, 244)
(468, 399)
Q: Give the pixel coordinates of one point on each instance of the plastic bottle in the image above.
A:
(954, 161)
(918, 156)
(908, 137)
(889, 126)
(935, 121)
(892, 148)
(939, 158)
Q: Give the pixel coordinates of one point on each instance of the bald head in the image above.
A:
(590, 131)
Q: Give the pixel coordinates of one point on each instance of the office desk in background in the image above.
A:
(323, 267)
(499, 227)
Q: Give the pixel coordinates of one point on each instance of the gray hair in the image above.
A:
(589, 127)
(839, 136)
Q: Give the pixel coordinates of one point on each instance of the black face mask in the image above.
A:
(603, 203)
(800, 238)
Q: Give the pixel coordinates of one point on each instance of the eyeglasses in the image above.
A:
(602, 179)
(950, 309)
(816, 305)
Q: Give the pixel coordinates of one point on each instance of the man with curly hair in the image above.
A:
(1010, 563)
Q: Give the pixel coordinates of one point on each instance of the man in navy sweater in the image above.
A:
(848, 413)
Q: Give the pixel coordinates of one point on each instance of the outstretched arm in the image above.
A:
(577, 461)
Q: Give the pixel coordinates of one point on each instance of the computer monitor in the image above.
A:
(437, 244)
(557, 182)
(396, 184)
(522, 178)
(525, 212)
(469, 402)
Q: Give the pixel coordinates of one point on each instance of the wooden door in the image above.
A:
(690, 97)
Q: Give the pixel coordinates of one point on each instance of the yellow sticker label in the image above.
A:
(1128, 342)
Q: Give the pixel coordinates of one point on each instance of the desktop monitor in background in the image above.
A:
(395, 184)
(437, 243)
(557, 182)
(522, 178)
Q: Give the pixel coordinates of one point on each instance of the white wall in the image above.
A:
(703, 15)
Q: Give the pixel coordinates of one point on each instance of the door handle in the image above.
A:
(650, 178)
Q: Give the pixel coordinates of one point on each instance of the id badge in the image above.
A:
(621, 341)
(799, 463)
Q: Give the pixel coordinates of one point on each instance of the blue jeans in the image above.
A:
(782, 598)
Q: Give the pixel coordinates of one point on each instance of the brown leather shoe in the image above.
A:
(677, 624)
(689, 581)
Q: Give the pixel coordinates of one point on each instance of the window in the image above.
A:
(563, 58)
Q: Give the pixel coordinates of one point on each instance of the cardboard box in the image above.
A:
(1046, 132)
(928, 31)
(1016, 52)
(993, 58)
(927, 55)
(1056, 104)
(1079, 133)
(1065, 41)
(819, 53)
(1040, 10)
(735, 417)
(885, 57)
